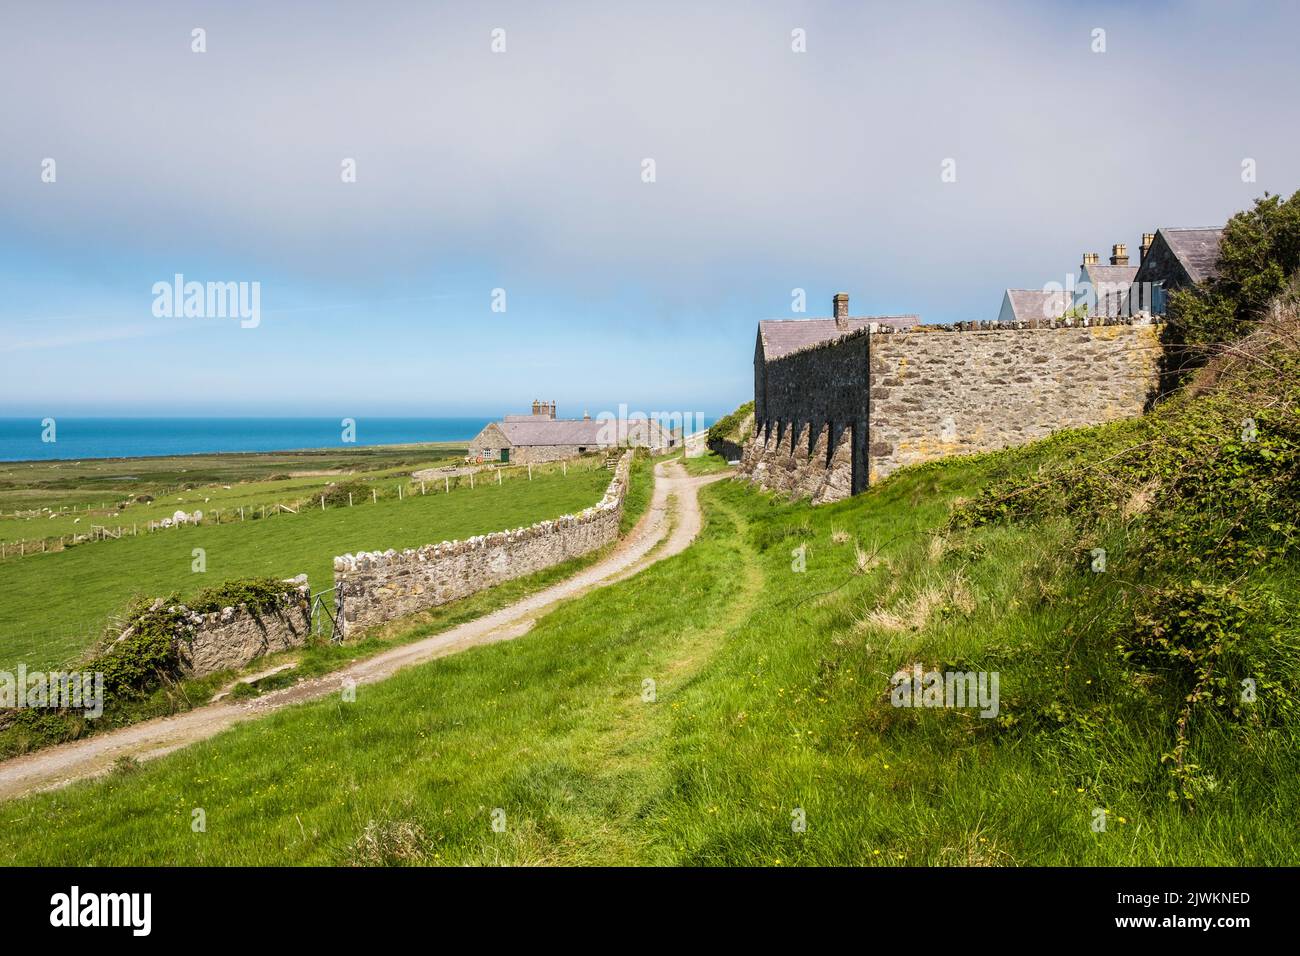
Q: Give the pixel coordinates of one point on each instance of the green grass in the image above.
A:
(54, 603)
(39, 729)
(772, 688)
(706, 464)
(770, 697)
(104, 491)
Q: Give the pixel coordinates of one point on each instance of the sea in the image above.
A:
(25, 439)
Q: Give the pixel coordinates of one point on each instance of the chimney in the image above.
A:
(1089, 259)
(1119, 254)
(586, 415)
(841, 301)
(551, 409)
(1147, 239)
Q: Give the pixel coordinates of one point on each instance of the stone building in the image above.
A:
(1175, 259)
(842, 403)
(540, 436)
(1103, 290)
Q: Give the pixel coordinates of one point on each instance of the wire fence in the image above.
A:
(324, 500)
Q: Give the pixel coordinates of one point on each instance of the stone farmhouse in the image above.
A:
(842, 402)
(540, 436)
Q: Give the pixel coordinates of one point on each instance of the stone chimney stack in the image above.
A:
(586, 415)
(537, 407)
(551, 409)
(1089, 259)
(1119, 254)
(1147, 239)
(841, 301)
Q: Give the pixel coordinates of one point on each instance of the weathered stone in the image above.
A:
(911, 395)
(373, 588)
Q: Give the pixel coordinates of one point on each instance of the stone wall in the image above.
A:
(957, 391)
(537, 454)
(371, 588)
(840, 415)
(235, 636)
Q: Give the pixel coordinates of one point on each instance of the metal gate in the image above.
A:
(323, 615)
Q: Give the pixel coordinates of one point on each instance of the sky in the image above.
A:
(523, 170)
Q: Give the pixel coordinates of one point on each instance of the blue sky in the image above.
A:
(521, 170)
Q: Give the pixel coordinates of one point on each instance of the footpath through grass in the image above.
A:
(54, 604)
(693, 713)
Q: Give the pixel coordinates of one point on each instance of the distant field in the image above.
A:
(183, 482)
(48, 601)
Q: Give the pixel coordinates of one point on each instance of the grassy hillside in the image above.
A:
(1120, 685)
(54, 603)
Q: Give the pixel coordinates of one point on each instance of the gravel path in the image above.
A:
(668, 527)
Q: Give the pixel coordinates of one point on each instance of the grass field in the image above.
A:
(316, 658)
(770, 700)
(54, 603)
(79, 494)
(1134, 587)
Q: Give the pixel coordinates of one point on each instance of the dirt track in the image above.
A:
(664, 531)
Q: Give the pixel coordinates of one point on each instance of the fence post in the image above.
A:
(421, 487)
(322, 502)
(446, 484)
(349, 499)
(374, 496)
(498, 476)
(471, 481)
(399, 493)
(530, 471)
(241, 512)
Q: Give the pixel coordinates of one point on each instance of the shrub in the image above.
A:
(1258, 255)
(336, 493)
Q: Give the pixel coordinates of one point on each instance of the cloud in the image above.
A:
(775, 169)
(83, 337)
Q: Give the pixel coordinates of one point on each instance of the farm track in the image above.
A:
(668, 527)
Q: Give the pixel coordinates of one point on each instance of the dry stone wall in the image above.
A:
(935, 394)
(371, 588)
(840, 415)
(235, 636)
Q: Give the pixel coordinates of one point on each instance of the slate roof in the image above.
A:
(1110, 287)
(1037, 304)
(1196, 249)
(1112, 276)
(783, 336)
(577, 431)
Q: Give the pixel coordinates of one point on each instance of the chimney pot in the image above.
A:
(841, 312)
